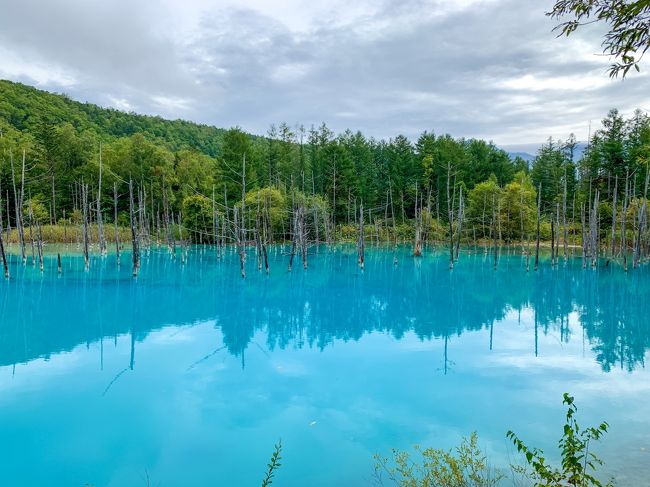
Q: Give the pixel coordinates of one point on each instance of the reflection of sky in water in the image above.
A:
(193, 374)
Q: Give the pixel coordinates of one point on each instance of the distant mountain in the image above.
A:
(524, 155)
(581, 147)
(528, 151)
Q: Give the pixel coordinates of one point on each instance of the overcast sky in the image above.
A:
(472, 68)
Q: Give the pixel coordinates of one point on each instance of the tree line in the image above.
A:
(54, 152)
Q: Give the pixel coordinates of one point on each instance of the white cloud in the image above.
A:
(36, 72)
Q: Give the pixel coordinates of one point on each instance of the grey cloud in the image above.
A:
(403, 68)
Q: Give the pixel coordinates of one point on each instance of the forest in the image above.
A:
(69, 164)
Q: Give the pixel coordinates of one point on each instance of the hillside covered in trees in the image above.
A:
(466, 187)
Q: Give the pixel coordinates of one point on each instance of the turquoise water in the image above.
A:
(189, 375)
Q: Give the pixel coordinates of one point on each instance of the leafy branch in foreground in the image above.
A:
(628, 37)
(273, 465)
(578, 464)
(465, 466)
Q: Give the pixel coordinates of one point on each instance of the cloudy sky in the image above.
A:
(475, 68)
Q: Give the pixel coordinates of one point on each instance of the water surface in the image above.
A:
(189, 374)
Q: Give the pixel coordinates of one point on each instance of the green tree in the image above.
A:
(198, 217)
(196, 173)
(237, 154)
(518, 208)
(484, 202)
(273, 201)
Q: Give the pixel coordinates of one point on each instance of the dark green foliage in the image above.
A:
(578, 462)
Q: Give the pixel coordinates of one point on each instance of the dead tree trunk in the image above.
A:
(258, 237)
(215, 223)
(166, 222)
(240, 244)
(173, 228)
(303, 235)
(594, 231)
(623, 224)
(115, 222)
(459, 222)
(294, 237)
(584, 235)
(18, 203)
(86, 237)
(184, 242)
(450, 217)
(224, 221)
(31, 231)
(417, 247)
(265, 235)
(242, 231)
(8, 219)
(564, 226)
(40, 245)
(494, 224)
(614, 217)
(552, 242)
(100, 222)
(3, 255)
(539, 218)
(641, 221)
(361, 245)
(557, 239)
(134, 233)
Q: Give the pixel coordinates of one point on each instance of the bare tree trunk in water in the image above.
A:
(539, 217)
(100, 222)
(459, 222)
(3, 255)
(564, 227)
(450, 216)
(18, 203)
(594, 231)
(117, 232)
(584, 236)
(642, 220)
(303, 235)
(623, 224)
(294, 238)
(31, 231)
(361, 244)
(417, 247)
(40, 245)
(557, 240)
(614, 217)
(84, 198)
(552, 242)
(134, 235)
(494, 224)
(242, 236)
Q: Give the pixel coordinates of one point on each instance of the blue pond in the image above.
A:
(189, 374)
